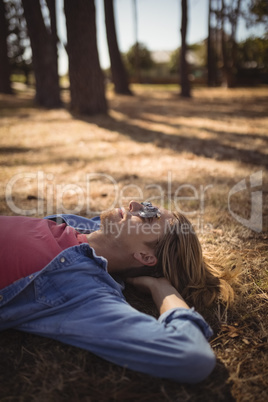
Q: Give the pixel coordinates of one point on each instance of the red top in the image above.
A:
(29, 244)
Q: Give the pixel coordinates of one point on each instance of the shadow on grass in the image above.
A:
(141, 106)
(209, 148)
(12, 150)
(214, 108)
(226, 145)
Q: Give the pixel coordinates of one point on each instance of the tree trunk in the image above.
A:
(53, 21)
(44, 52)
(211, 51)
(227, 62)
(234, 23)
(218, 37)
(5, 86)
(119, 75)
(53, 25)
(185, 83)
(86, 78)
(137, 45)
(223, 46)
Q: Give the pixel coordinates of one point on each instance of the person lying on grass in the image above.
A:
(62, 277)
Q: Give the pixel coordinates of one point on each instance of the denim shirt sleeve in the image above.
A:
(173, 347)
(76, 301)
(79, 223)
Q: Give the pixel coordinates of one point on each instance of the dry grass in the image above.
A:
(210, 143)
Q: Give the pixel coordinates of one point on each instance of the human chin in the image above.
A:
(113, 215)
(109, 221)
(106, 216)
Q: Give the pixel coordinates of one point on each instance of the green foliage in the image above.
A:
(174, 62)
(260, 9)
(19, 51)
(253, 53)
(198, 53)
(138, 53)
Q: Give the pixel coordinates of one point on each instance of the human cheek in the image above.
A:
(156, 229)
(134, 226)
(146, 229)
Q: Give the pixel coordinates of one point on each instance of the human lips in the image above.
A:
(121, 212)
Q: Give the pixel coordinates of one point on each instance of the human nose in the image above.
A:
(134, 206)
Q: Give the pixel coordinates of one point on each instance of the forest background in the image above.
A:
(190, 130)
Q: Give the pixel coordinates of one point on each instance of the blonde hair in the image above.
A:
(199, 279)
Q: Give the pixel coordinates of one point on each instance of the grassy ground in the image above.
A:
(153, 145)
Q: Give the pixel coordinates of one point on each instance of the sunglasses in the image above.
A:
(149, 211)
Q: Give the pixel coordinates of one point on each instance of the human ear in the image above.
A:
(145, 259)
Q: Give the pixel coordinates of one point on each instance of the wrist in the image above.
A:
(166, 296)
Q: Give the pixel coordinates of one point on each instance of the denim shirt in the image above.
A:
(74, 300)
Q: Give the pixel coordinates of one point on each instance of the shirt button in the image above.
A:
(62, 259)
(31, 277)
(1, 297)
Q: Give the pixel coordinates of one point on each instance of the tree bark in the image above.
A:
(5, 86)
(137, 45)
(229, 58)
(44, 51)
(53, 20)
(234, 23)
(211, 51)
(119, 74)
(86, 78)
(185, 83)
(223, 46)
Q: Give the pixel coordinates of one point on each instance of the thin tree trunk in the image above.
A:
(211, 52)
(227, 59)
(209, 48)
(185, 83)
(51, 4)
(53, 20)
(119, 75)
(86, 78)
(234, 23)
(44, 53)
(137, 48)
(223, 46)
(5, 86)
(218, 35)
